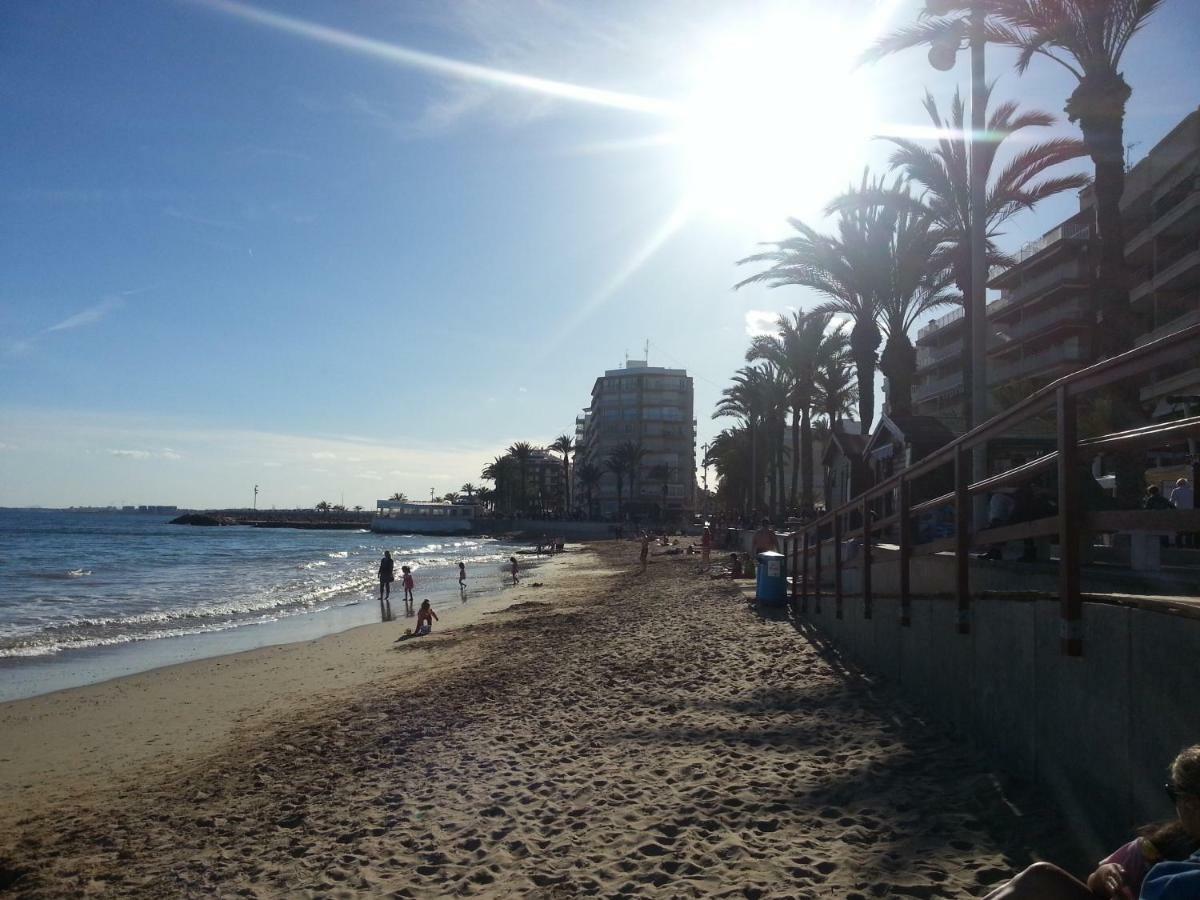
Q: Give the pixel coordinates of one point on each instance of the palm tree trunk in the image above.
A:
(1098, 104)
(864, 339)
(798, 457)
(806, 458)
(899, 363)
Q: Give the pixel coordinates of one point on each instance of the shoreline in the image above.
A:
(75, 737)
(26, 677)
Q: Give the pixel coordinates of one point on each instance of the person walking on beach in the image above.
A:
(765, 539)
(425, 619)
(645, 550)
(513, 561)
(409, 584)
(462, 580)
(706, 542)
(387, 574)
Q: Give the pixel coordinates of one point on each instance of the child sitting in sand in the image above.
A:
(425, 619)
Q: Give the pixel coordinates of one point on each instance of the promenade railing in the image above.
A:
(894, 503)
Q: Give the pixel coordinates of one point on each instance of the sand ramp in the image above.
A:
(628, 735)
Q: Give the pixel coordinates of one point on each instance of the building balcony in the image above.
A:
(928, 357)
(1174, 213)
(1187, 320)
(1187, 382)
(1074, 273)
(1069, 351)
(1067, 232)
(1073, 312)
(927, 390)
(1177, 268)
(941, 322)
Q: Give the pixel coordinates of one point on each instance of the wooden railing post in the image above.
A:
(804, 575)
(795, 566)
(817, 571)
(866, 558)
(837, 564)
(905, 552)
(962, 538)
(1070, 521)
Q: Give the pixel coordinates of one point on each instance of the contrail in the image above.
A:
(441, 65)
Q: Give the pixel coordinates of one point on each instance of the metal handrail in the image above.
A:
(1062, 394)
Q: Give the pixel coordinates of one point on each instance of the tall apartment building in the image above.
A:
(651, 406)
(1039, 327)
(1161, 210)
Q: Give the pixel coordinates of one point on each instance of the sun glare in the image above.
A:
(777, 120)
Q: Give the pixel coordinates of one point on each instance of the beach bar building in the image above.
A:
(421, 517)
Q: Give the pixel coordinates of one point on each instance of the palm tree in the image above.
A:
(323, 506)
(1088, 39)
(501, 471)
(918, 286)
(745, 400)
(943, 174)
(469, 489)
(485, 496)
(730, 453)
(852, 269)
(616, 463)
(564, 444)
(632, 453)
(589, 475)
(522, 452)
(399, 497)
(800, 349)
(836, 390)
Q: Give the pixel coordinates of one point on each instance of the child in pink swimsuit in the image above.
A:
(408, 590)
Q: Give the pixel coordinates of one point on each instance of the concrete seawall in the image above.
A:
(1096, 731)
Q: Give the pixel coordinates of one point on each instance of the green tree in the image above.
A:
(564, 444)
(522, 452)
(851, 268)
(589, 475)
(616, 463)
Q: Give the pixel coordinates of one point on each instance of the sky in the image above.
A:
(339, 249)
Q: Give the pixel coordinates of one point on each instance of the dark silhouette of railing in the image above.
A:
(857, 518)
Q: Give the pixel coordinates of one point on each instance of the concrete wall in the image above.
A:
(1096, 731)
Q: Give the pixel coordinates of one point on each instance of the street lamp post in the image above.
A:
(942, 56)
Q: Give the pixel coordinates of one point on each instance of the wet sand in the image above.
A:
(609, 733)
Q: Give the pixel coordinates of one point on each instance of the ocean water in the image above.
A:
(75, 581)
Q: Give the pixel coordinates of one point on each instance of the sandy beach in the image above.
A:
(608, 733)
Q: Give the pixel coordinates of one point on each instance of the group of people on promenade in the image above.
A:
(1161, 863)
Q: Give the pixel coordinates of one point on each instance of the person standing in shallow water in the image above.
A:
(462, 580)
(513, 561)
(408, 590)
(387, 574)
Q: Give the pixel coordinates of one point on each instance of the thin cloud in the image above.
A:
(89, 316)
(323, 454)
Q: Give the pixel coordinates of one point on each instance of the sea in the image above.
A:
(89, 595)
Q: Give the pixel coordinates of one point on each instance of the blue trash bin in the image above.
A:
(771, 586)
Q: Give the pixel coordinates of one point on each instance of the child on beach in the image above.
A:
(425, 619)
(513, 561)
(386, 577)
(462, 580)
(645, 550)
(408, 590)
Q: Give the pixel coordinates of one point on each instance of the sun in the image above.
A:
(777, 121)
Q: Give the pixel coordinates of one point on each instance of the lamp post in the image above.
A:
(942, 54)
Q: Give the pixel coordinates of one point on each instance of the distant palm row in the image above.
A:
(902, 249)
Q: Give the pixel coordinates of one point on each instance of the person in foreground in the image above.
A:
(765, 538)
(1162, 864)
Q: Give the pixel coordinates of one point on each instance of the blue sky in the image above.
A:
(301, 245)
